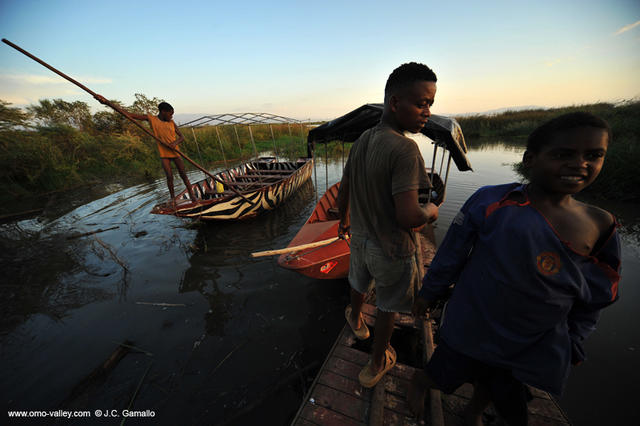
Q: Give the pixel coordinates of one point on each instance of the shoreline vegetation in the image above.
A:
(55, 145)
(619, 178)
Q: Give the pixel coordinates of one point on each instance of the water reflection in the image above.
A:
(240, 325)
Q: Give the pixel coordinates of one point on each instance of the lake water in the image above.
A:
(234, 331)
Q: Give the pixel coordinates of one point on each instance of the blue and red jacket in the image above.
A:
(523, 298)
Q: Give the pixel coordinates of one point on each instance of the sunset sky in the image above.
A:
(319, 60)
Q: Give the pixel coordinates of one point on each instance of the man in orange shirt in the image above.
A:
(166, 130)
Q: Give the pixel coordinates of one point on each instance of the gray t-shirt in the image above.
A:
(381, 164)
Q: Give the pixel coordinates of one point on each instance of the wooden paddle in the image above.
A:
(121, 111)
(296, 248)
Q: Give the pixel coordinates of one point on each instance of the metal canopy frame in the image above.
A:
(242, 118)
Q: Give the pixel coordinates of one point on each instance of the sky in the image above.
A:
(320, 60)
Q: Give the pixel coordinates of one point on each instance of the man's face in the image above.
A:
(166, 115)
(412, 106)
(570, 162)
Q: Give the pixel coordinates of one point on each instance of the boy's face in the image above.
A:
(570, 161)
(412, 106)
(166, 115)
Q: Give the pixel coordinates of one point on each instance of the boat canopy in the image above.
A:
(444, 131)
(244, 118)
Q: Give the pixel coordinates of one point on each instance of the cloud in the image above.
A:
(50, 79)
(627, 28)
(555, 61)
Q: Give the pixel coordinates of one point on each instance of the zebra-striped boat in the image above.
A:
(264, 183)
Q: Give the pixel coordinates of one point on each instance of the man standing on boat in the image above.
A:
(166, 130)
(378, 203)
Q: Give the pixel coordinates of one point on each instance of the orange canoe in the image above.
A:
(327, 262)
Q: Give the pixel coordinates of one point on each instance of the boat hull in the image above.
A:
(230, 206)
(326, 262)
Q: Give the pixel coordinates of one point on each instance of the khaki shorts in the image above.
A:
(397, 281)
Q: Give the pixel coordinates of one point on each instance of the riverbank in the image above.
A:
(36, 162)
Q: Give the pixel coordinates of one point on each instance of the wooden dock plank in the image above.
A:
(344, 384)
(393, 418)
(318, 415)
(338, 397)
(545, 408)
(396, 385)
(343, 367)
(304, 422)
(340, 402)
(352, 355)
(397, 403)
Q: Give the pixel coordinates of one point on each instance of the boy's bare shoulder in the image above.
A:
(602, 218)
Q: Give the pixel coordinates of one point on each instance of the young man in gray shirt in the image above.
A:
(378, 203)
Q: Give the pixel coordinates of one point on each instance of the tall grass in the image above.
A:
(38, 160)
(618, 179)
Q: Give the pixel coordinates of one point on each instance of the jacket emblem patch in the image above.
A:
(549, 263)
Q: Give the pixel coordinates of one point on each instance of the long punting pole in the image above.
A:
(121, 111)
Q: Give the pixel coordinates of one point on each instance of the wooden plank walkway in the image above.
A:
(337, 398)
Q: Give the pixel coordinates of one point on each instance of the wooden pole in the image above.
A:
(275, 151)
(197, 145)
(121, 111)
(226, 166)
(255, 151)
(238, 140)
(295, 248)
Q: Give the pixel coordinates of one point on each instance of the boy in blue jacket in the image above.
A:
(532, 268)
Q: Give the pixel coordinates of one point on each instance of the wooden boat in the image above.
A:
(337, 398)
(263, 184)
(332, 260)
(326, 262)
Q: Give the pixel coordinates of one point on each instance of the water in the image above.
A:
(242, 327)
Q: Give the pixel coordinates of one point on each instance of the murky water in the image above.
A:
(233, 332)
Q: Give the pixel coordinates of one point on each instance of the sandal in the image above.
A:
(368, 379)
(361, 333)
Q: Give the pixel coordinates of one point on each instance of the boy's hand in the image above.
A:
(421, 306)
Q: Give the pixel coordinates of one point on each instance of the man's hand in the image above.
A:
(344, 231)
(432, 212)
(101, 99)
(421, 306)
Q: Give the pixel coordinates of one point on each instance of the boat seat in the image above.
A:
(256, 176)
(250, 183)
(279, 172)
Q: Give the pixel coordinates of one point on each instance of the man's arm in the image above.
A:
(104, 101)
(409, 213)
(343, 205)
